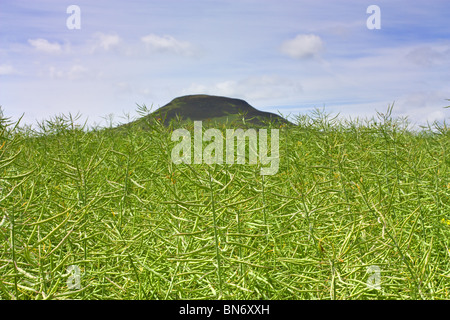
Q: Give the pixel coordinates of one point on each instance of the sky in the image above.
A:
(282, 56)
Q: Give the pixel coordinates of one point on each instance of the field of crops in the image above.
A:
(357, 210)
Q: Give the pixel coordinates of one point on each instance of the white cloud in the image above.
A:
(303, 46)
(424, 106)
(428, 56)
(75, 72)
(45, 46)
(6, 69)
(106, 41)
(167, 43)
(419, 108)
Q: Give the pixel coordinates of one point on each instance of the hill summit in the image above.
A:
(216, 109)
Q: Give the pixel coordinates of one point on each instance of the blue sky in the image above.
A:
(278, 55)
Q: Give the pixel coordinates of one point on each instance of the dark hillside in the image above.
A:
(214, 109)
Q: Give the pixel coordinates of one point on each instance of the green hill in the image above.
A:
(212, 109)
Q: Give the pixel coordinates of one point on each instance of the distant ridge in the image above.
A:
(214, 109)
